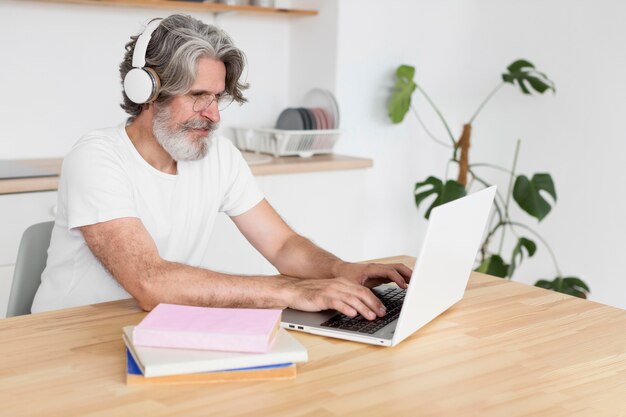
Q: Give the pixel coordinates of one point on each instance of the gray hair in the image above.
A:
(173, 53)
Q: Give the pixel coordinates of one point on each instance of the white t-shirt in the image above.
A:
(105, 178)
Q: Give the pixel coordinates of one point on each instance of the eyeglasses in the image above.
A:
(202, 101)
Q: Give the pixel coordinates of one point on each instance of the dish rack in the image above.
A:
(278, 142)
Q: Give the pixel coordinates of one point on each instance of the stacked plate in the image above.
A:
(319, 112)
(312, 128)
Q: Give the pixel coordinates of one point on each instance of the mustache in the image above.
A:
(199, 124)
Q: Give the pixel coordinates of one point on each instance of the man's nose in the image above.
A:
(212, 112)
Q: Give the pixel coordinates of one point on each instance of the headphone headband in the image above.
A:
(141, 46)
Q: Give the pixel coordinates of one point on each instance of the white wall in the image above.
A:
(313, 49)
(59, 74)
(460, 48)
(67, 84)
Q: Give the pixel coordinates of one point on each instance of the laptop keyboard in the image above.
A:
(392, 298)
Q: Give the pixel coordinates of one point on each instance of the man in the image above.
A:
(137, 202)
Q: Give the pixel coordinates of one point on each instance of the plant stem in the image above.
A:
(483, 249)
(480, 180)
(556, 265)
(428, 132)
(509, 191)
(483, 164)
(448, 167)
(485, 101)
(498, 211)
(486, 184)
(432, 104)
(517, 146)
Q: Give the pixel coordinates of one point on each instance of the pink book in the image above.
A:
(206, 328)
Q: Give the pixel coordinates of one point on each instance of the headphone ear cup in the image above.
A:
(142, 85)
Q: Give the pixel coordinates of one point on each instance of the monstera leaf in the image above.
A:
(526, 194)
(447, 192)
(518, 254)
(494, 265)
(527, 77)
(401, 98)
(568, 285)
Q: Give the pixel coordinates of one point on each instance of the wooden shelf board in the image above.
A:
(277, 166)
(188, 5)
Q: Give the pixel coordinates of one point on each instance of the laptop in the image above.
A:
(441, 273)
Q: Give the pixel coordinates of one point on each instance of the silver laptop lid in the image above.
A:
(445, 262)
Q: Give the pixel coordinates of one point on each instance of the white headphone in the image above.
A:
(142, 84)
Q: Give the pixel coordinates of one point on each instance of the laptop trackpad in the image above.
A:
(305, 318)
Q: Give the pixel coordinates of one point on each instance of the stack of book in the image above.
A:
(186, 344)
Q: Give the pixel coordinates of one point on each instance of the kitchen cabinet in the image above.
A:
(326, 207)
(18, 212)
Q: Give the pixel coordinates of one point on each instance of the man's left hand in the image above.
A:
(372, 275)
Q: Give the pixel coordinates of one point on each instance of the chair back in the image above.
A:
(31, 261)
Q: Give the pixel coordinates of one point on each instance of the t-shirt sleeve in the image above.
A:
(97, 185)
(242, 192)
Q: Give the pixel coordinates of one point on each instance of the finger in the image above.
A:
(371, 301)
(342, 307)
(365, 307)
(374, 282)
(388, 272)
(404, 270)
(360, 299)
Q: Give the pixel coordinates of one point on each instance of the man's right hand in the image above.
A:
(341, 294)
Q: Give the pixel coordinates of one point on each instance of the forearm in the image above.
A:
(299, 257)
(290, 253)
(175, 283)
(127, 251)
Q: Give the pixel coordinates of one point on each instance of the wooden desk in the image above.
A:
(506, 349)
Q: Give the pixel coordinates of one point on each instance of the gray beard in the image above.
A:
(175, 140)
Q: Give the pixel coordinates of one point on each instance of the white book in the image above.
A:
(155, 361)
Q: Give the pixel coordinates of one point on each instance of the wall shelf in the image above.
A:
(191, 6)
(276, 166)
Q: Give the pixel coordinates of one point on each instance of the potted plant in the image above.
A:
(525, 191)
